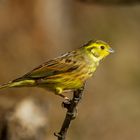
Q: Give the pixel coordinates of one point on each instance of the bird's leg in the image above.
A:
(58, 91)
(66, 103)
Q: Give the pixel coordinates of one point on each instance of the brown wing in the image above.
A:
(53, 67)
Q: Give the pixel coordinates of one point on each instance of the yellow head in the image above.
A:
(98, 49)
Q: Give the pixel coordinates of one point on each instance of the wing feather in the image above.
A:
(53, 67)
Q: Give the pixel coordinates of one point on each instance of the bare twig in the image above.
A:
(71, 113)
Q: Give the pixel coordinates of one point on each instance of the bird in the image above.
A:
(67, 72)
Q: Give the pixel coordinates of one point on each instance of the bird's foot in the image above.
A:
(66, 103)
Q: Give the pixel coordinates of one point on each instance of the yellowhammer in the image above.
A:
(67, 72)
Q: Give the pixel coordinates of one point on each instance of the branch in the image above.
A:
(71, 113)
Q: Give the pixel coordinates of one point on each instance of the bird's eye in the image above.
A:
(102, 47)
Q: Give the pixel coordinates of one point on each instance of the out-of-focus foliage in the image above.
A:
(31, 32)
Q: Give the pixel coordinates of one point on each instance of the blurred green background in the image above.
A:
(32, 32)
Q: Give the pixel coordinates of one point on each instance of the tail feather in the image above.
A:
(5, 85)
(22, 83)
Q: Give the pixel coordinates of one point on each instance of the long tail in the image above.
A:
(18, 83)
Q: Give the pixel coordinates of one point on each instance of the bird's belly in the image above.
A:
(68, 81)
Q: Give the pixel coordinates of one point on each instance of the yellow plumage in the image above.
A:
(67, 72)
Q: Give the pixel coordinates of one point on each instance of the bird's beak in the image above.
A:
(111, 50)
